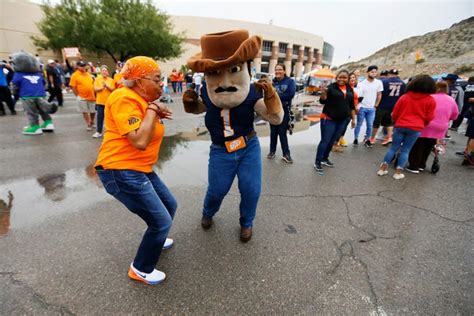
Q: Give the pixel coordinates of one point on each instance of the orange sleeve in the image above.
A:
(127, 115)
(73, 81)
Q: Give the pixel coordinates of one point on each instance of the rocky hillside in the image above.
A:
(449, 50)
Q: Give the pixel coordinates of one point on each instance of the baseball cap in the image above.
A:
(81, 63)
(393, 71)
(450, 77)
(370, 68)
(384, 72)
(51, 61)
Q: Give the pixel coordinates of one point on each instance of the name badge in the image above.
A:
(235, 144)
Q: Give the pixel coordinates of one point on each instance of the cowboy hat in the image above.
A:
(224, 49)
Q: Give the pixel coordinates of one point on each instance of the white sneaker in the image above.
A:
(168, 243)
(152, 278)
(97, 135)
(382, 172)
(398, 176)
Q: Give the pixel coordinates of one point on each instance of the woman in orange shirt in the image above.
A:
(174, 79)
(103, 85)
(125, 164)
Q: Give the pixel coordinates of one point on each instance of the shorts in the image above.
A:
(86, 106)
(383, 117)
(470, 128)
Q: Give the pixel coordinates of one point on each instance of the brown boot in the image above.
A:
(206, 222)
(245, 234)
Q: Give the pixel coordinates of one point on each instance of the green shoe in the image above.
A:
(47, 125)
(33, 130)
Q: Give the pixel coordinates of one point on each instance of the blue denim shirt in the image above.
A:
(286, 91)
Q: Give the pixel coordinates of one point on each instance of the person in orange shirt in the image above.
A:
(174, 79)
(82, 84)
(129, 150)
(118, 76)
(103, 85)
(180, 82)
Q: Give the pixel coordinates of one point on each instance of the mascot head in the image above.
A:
(25, 62)
(225, 59)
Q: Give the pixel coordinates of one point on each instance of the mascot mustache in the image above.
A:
(229, 89)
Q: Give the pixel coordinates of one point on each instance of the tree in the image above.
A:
(119, 28)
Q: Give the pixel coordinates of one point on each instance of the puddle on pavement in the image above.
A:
(183, 161)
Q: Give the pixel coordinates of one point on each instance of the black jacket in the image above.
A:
(337, 106)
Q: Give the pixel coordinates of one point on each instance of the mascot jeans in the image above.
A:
(280, 130)
(147, 196)
(246, 163)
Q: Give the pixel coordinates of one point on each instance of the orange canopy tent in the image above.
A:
(324, 73)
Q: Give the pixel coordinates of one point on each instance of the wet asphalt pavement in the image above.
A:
(346, 242)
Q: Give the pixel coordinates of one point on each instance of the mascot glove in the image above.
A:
(190, 101)
(271, 98)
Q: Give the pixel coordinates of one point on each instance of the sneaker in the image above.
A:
(327, 163)
(271, 155)
(412, 170)
(152, 278)
(168, 243)
(342, 142)
(398, 176)
(287, 159)
(421, 169)
(32, 130)
(89, 128)
(368, 144)
(356, 142)
(317, 166)
(97, 135)
(381, 172)
(386, 141)
(47, 126)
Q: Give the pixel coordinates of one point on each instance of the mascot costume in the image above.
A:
(230, 102)
(28, 82)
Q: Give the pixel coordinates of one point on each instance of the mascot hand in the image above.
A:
(266, 86)
(271, 98)
(190, 101)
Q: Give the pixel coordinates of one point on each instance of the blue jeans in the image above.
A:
(367, 114)
(330, 132)
(173, 85)
(223, 167)
(403, 140)
(280, 131)
(147, 196)
(99, 108)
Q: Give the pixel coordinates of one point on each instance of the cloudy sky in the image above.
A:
(355, 28)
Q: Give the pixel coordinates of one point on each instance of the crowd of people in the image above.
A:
(415, 116)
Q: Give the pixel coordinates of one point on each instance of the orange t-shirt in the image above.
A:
(102, 96)
(174, 76)
(84, 84)
(118, 78)
(124, 112)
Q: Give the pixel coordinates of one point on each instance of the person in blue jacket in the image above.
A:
(285, 87)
